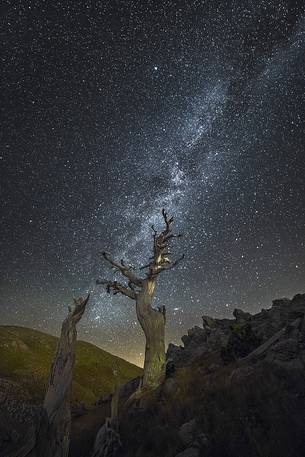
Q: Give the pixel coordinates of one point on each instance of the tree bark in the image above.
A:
(141, 290)
(152, 322)
(54, 434)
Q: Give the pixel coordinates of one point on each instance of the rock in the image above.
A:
(169, 387)
(280, 302)
(241, 342)
(130, 387)
(173, 351)
(286, 353)
(241, 315)
(298, 300)
(235, 339)
(200, 441)
(241, 373)
(212, 368)
(259, 398)
(107, 442)
(189, 452)
(170, 368)
(195, 335)
(218, 338)
(208, 321)
(17, 419)
(78, 409)
(187, 432)
(286, 349)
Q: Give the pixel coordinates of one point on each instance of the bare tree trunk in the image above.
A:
(152, 322)
(54, 435)
(141, 290)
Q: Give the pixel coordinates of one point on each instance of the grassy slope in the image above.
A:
(26, 356)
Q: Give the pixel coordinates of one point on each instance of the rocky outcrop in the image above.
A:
(107, 442)
(19, 417)
(235, 387)
(236, 338)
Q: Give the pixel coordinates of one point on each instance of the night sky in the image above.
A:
(113, 109)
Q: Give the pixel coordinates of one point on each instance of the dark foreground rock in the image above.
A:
(19, 417)
(237, 337)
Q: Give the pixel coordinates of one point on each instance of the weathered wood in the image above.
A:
(108, 442)
(152, 322)
(142, 290)
(54, 435)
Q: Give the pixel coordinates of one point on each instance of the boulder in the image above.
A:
(241, 315)
(187, 432)
(208, 322)
(195, 336)
(169, 387)
(279, 302)
(241, 342)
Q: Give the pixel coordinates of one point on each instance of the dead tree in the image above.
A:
(54, 435)
(108, 441)
(141, 290)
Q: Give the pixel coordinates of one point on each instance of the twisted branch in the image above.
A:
(123, 269)
(117, 288)
(160, 260)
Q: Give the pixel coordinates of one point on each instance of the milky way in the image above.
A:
(114, 110)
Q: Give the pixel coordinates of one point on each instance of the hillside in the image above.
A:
(26, 356)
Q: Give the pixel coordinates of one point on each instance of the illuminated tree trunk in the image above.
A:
(141, 290)
(152, 322)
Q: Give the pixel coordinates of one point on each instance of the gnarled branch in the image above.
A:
(118, 288)
(171, 265)
(161, 252)
(123, 269)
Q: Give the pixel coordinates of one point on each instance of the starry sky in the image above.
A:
(114, 109)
